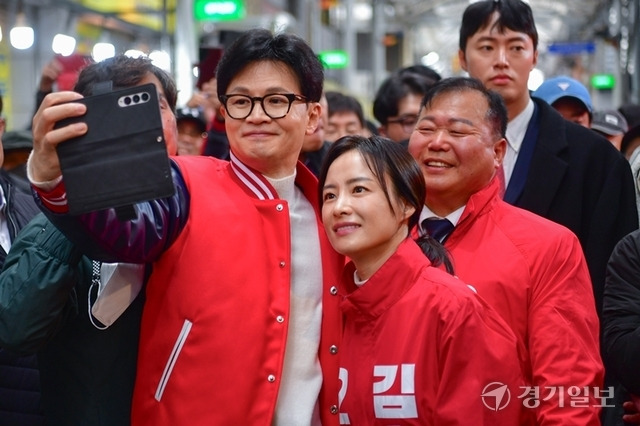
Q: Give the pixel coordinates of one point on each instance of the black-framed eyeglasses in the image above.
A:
(275, 105)
(407, 121)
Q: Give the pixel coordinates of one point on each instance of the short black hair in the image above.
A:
(124, 71)
(514, 15)
(261, 45)
(422, 70)
(496, 112)
(339, 102)
(396, 87)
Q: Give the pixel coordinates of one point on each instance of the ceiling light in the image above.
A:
(536, 77)
(63, 44)
(160, 59)
(134, 53)
(21, 35)
(102, 51)
(430, 59)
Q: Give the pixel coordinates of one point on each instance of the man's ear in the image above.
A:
(499, 151)
(462, 59)
(314, 117)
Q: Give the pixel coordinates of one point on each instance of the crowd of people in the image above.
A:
(470, 258)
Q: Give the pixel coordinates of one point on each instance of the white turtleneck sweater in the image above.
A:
(302, 376)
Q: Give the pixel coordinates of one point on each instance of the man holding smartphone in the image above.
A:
(48, 290)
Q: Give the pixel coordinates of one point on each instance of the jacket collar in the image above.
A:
(479, 204)
(260, 187)
(254, 181)
(387, 285)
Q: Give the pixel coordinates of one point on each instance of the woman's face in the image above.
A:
(357, 217)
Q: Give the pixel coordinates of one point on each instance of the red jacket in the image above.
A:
(215, 320)
(533, 272)
(419, 348)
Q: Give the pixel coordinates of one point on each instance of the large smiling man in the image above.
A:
(531, 270)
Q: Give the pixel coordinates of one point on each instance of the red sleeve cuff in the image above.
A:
(54, 200)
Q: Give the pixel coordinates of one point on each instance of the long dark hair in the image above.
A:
(387, 158)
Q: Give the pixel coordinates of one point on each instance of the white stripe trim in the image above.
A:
(257, 183)
(186, 328)
(248, 184)
(62, 202)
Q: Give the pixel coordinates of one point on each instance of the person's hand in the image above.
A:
(50, 74)
(44, 165)
(632, 410)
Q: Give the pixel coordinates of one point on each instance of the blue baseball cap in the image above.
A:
(564, 87)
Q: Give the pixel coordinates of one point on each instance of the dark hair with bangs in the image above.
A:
(124, 72)
(387, 158)
(496, 111)
(514, 15)
(260, 45)
(395, 88)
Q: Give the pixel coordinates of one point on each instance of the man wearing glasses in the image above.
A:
(397, 103)
(240, 324)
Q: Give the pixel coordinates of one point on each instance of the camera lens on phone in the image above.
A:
(136, 98)
(127, 100)
(145, 97)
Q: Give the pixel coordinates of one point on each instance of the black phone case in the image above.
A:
(122, 159)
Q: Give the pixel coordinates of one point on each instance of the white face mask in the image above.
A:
(118, 286)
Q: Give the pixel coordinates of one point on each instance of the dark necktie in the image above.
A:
(438, 229)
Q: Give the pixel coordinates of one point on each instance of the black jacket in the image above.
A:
(579, 180)
(621, 313)
(19, 378)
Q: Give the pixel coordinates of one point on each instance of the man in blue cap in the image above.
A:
(569, 97)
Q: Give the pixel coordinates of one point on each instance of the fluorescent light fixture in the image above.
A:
(63, 44)
(536, 77)
(21, 35)
(160, 59)
(430, 59)
(102, 51)
(134, 53)
(362, 11)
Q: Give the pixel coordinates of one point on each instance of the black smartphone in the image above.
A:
(122, 159)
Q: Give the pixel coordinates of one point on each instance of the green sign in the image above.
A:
(334, 59)
(603, 81)
(219, 10)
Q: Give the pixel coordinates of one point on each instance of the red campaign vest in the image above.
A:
(213, 341)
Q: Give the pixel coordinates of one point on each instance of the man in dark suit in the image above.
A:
(553, 167)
